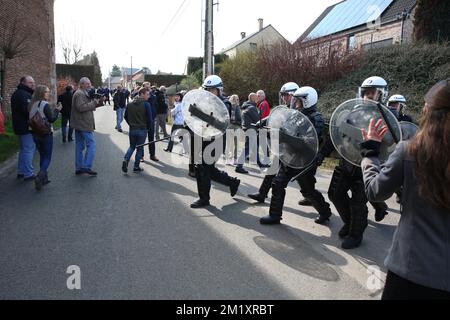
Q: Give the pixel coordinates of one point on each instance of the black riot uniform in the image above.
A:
(207, 172)
(353, 210)
(307, 182)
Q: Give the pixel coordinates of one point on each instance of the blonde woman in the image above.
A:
(235, 124)
(44, 142)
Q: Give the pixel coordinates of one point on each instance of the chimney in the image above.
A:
(260, 24)
(243, 35)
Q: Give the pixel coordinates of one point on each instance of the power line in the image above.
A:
(173, 18)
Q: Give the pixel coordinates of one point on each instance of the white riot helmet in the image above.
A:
(398, 98)
(378, 83)
(307, 95)
(288, 89)
(213, 82)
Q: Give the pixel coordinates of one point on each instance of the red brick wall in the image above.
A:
(36, 19)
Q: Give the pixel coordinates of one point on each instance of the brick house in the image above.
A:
(33, 22)
(362, 24)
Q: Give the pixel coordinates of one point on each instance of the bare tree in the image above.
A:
(13, 44)
(71, 46)
(13, 41)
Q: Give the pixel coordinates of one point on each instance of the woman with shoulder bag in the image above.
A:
(41, 118)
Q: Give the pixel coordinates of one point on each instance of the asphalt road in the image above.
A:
(135, 237)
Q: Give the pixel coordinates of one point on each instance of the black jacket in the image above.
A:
(66, 101)
(161, 105)
(250, 115)
(120, 100)
(20, 100)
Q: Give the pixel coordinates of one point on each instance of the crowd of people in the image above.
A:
(418, 170)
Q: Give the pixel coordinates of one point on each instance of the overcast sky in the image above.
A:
(162, 34)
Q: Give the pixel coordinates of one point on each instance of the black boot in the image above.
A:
(257, 197)
(200, 204)
(270, 220)
(345, 231)
(380, 215)
(38, 183)
(323, 218)
(235, 187)
(305, 203)
(125, 166)
(352, 242)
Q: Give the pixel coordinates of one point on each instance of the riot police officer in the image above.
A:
(346, 177)
(304, 100)
(206, 172)
(397, 105)
(286, 93)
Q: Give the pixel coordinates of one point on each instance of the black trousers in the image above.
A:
(353, 211)
(379, 206)
(175, 127)
(151, 138)
(398, 288)
(308, 189)
(206, 173)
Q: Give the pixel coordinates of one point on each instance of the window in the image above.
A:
(253, 46)
(378, 44)
(351, 42)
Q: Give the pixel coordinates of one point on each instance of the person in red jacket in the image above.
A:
(263, 105)
(264, 112)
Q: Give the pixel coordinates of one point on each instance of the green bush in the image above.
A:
(9, 143)
(240, 75)
(410, 70)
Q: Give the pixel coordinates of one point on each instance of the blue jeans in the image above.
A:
(119, 112)
(44, 145)
(84, 141)
(26, 154)
(64, 121)
(137, 137)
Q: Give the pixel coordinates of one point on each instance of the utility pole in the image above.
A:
(208, 63)
(131, 74)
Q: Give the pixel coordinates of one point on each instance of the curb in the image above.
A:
(8, 166)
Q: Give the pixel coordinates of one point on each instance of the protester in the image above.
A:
(120, 102)
(151, 132)
(66, 100)
(161, 112)
(178, 122)
(20, 100)
(418, 261)
(250, 117)
(235, 125)
(263, 105)
(140, 119)
(44, 141)
(106, 92)
(83, 121)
